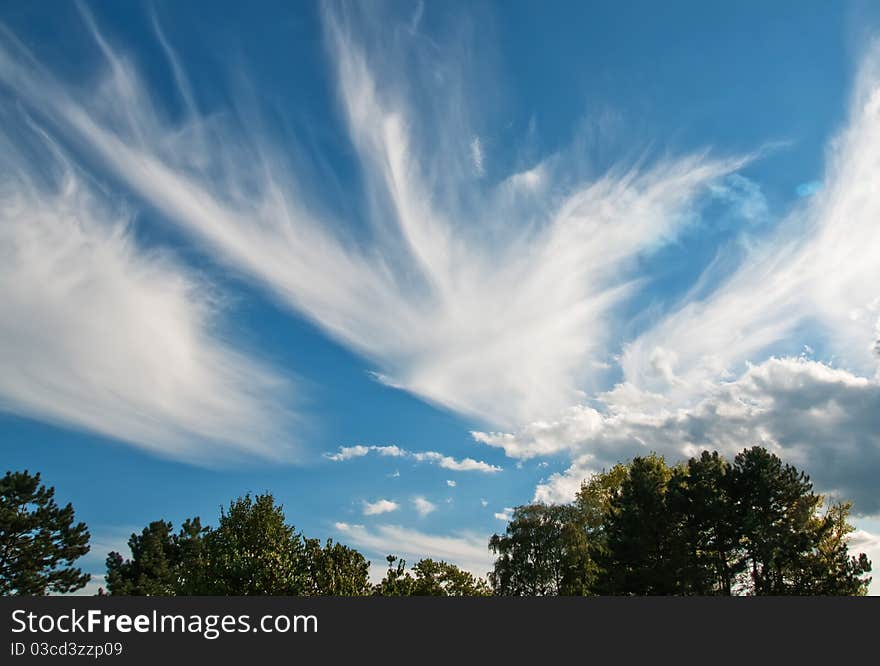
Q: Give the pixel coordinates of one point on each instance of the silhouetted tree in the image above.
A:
(430, 578)
(708, 557)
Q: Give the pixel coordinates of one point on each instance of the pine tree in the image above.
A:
(39, 540)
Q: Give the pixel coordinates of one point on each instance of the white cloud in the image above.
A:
(503, 322)
(466, 550)
(818, 270)
(432, 457)
(102, 334)
(477, 155)
(463, 465)
(484, 502)
(379, 507)
(359, 451)
(862, 541)
(505, 515)
(822, 419)
(450, 483)
(529, 180)
(422, 506)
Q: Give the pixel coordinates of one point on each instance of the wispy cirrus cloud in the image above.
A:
(102, 334)
(432, 457)
(464, 293)
(704, 375)
(818, 271)
(467, 550)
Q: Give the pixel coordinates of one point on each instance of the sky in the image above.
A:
(409, 265)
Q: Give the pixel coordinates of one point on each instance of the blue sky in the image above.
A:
(408, 265)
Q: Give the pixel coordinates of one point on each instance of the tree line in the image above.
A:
(707, 526)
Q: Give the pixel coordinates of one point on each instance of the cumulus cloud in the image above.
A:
(359, 451)
(422, 506)
(466, 550)
(379, 507)
(102, 334)
(502, 322)
(432, 457)
(450, 483)
(822, 419)
(505, 515)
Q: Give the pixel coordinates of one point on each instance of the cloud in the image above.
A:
(422, 506)
(817, 274)
(432, 457)
(359, 451)
(477, 155)
(379, 507)
(102, 334)
(693, 380)
(505, 515)
(501, 322)
(862, 541)
(824, 420)
(466, 550)
(450, 483)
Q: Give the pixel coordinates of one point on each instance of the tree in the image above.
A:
(774, 508)
(704, 527)
(336, 570)
(640, 556)
(593, 505)
(39, 541)
(708, 555)
(544, 551)
(437, 578)
(397, 582)
(829, 569)
(432, 578)
(161, 563)
(254, 551)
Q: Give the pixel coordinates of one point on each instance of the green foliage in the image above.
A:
(162, 563)
(707, 540)
(705, 527)
(397, 582)
(252, 551)
(336, 570)
(432, 578)
(544, 551)
(640, 540)
(39, 540)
